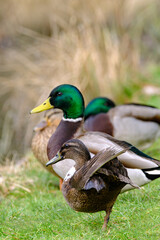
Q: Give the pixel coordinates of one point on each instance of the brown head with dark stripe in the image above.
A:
(72, 149)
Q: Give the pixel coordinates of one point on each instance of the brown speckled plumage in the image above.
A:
(90, 201)
(41, 138)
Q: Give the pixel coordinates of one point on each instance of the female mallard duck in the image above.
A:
(93, 184)
(134, 123)
(70, 100)
(42, 133)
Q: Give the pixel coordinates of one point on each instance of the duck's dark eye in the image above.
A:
(58, 93)
(66, 145)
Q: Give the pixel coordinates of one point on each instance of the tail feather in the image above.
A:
(152, 173)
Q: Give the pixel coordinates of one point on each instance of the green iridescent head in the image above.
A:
(98, 105)
(67, 98)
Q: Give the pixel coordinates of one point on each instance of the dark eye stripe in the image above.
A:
(69, 146)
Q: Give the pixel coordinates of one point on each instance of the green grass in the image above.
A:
(39, 211)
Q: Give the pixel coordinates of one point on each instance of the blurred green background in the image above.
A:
(107, 48)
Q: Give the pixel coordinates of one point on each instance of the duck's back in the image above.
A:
(136, 124)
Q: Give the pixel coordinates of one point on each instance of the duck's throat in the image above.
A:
(66, 130)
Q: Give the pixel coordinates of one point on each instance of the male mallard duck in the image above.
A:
(135, 123)
(70, 100)
(93, 184)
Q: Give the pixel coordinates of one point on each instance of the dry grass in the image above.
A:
(13, 177)
(95, 45)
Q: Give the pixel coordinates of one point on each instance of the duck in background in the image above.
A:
(141, 168)
(93, 184)
(42, 133)
(137, 124)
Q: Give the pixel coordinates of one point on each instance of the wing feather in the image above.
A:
(90, 167)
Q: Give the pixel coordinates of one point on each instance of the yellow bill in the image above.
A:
(44, 106)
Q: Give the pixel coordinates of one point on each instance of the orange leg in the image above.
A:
(106, 218)
(60, 183)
